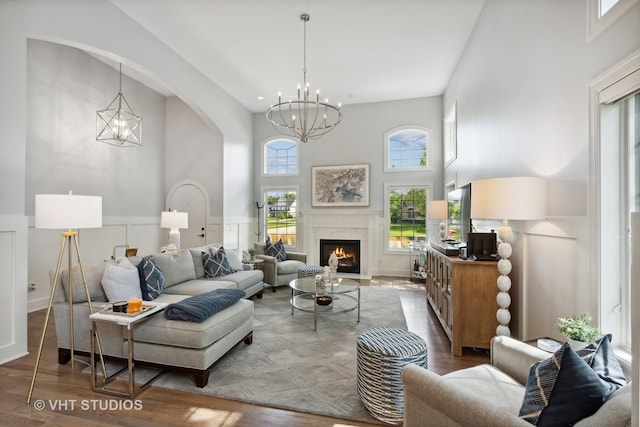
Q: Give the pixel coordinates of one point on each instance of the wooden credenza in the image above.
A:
(463, 295)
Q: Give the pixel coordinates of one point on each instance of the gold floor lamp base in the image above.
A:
(67, 236)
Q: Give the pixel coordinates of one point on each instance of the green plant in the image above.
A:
(578, 328)
(251, 251)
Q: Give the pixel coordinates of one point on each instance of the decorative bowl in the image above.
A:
(324, 299)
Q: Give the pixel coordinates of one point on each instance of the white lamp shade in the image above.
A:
(174, 220)
(66, 211)
(518, 198)
(437, 209)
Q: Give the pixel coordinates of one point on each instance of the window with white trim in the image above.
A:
(602, 14)
(406, 213)
(281, 157)
(407, 149)
(615, 139)
(281, 214)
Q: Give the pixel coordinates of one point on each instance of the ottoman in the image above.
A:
(309, 271)
(381, 355)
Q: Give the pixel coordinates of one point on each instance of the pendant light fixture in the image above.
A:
(304, 118)
(117, 124)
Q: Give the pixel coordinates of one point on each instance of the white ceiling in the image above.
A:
(357, 50)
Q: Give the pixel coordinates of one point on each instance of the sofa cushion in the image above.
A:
(196, 254)
(121, 282)
(289, 267)
(489, 383)
(93, 272)
(562, 390)
(234, 260)
(177, 267)
(602, 359)
(276, 250)
(159, 330)
(243, 279)
(216, 264)
(151, 279)
(194, 287)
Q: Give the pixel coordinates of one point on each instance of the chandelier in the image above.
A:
(117, 124)
(304, 118)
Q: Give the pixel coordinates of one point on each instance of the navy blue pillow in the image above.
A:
(276, 250)
(602, 359)
(562, 390)
(216, 265)
(151, 279)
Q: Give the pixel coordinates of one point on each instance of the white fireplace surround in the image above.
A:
(342, 224)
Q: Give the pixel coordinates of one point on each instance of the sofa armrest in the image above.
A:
(297, 256)
(514, 357)
(430, 399)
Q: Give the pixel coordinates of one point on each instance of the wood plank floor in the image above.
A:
(77, 405)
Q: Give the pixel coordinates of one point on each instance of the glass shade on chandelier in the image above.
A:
(516, 198)
(306, 117)
(117, 124)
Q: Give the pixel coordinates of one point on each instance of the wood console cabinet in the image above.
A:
(463, 295)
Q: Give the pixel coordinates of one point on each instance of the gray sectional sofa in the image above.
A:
(190, 346)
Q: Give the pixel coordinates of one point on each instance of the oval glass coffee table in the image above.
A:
(343, 295)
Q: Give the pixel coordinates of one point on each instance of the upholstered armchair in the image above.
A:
(279, 273)
(490, 395)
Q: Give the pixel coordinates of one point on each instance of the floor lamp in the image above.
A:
(517, 198)
(67, 212)
(438, 209)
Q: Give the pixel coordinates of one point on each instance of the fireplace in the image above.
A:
(347, 251)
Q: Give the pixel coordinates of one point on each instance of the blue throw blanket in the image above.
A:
(199, 308)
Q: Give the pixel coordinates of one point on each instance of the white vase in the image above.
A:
(577, 345)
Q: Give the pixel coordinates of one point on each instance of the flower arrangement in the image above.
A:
(578, 328)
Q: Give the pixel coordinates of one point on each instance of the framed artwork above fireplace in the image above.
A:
(343, 185)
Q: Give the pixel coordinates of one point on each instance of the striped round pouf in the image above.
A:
(382, 353)
(309, 271)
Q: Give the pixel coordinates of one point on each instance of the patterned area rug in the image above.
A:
(291, 366)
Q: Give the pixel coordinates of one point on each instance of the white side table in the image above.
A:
(127, 322)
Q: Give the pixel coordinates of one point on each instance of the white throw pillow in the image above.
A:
(234, 260)
(121, 282)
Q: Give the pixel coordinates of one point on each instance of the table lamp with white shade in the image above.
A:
(67, 212)
(438, 209)
(514, 198)
(175, 221)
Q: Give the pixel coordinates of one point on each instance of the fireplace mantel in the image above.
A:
(353, 224)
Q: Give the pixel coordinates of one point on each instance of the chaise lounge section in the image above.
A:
(175, 344)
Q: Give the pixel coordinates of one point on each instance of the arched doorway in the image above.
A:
(191, 197)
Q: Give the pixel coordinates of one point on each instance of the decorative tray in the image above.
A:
(145, 307)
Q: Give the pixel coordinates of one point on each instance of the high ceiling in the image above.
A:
(357, 50)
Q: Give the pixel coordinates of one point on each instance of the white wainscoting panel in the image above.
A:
(13, 287)
(550, 283)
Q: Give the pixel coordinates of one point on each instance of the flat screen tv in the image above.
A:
(459, 213)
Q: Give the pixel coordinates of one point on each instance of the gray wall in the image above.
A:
(521, 89)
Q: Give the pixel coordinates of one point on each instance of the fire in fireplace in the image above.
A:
(347, 251)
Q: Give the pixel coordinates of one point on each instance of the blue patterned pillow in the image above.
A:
(276, 250)
(602, 359)
(562, 390)
(151, 279)
(216, 264)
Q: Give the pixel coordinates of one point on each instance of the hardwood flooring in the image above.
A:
(68, 399)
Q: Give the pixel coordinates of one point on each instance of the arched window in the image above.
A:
(407, 148)
(281, 157)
